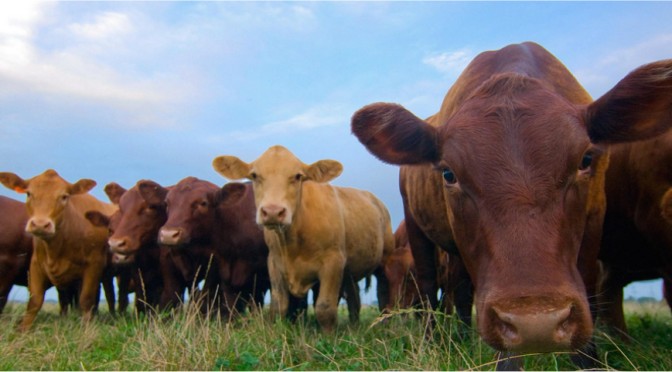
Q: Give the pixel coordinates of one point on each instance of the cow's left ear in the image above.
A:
(13, 182)
(637, 108)
(97, 219)
(231, 193)
(114, 191)
(231, 167)
(324, 170)
(82, 186)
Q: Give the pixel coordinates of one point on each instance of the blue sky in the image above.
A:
(122, 91)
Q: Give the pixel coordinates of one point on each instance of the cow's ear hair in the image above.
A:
(82, 186)
(152, 192)
(97, 219)
(666, 205)
(231, 167)
(231, 193)
(394, 135)
(638, 107)
(13, 182)
(324, 170)
(114, 191)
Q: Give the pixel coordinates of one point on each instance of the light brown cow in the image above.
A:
(315, 232)
(511, 171)
(67, 248)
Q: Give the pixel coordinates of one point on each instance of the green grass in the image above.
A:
(188, 341)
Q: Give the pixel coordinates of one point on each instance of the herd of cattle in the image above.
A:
(522, 197)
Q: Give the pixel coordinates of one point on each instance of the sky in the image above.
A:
(123, 91)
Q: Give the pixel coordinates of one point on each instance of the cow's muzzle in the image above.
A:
(43, 228)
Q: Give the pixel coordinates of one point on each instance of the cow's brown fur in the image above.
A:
(16, 247)
(67, 248)
(315, 232)
(637, 240)
(507, 173)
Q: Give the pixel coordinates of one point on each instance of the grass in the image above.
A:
(188, 341)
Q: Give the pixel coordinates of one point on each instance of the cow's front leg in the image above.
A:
(88, 298)
(326, 307)
(279, 287)
(38, 283)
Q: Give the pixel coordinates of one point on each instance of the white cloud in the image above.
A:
(313, 118)
(450, 63)
(104, 25)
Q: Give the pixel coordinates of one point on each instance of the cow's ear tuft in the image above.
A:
(324, 170)
(114, 191)
(14, 182)
(82, 186)
(637, 108)
(231, 167)
(152, 192)
(231, 193)
(97, 219)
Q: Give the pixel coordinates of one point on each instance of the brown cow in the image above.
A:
(452, 279)
(16, 247)
(511, 172)
(212, 230)
(133, 242)
(315, 232)
(67, 248)
(637, 240)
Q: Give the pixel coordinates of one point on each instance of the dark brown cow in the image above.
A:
(511, 172)
(67, 248)
(133, 242)
(451, 278)
(637, 240)
(213, 231)
(16, 247)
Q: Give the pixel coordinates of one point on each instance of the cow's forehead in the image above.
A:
(48, 182)
(277, 160)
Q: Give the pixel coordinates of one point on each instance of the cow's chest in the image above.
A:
(61, 270)
(301, 274)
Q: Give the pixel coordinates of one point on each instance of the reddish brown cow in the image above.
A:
(213, 230)
(133, 241)
(637, 240)
(67, 248)
(511, 172)
(16, 247)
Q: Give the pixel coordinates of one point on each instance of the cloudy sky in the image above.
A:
(122, 91)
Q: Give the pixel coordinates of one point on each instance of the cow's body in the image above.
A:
(510, 173)
(133, 243)
(16, 247)
(315, 232)
(67, 248)
(210, 236)
(637, 240)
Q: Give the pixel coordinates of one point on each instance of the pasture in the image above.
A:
(189, 341)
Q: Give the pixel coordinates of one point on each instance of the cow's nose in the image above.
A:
(40, 226)
(542, 331)
(117, 245)
(273, 214)
(170, 236)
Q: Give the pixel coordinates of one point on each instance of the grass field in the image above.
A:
(188, 341)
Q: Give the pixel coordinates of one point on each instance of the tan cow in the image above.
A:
(315, 232)
(67, 247)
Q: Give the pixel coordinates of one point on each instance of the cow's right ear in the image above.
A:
(152, 192)
(97, 219)
(82, 186)
(114, 191)
(395, 135)
(231, 193)
(13, 182)
(666, 205)
(231, 167)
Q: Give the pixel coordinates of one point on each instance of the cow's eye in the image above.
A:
(28, 194)
(64, 198)
(298, 177)
(204, 204)
(449, 177)
(253, 176)
(586, 161)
